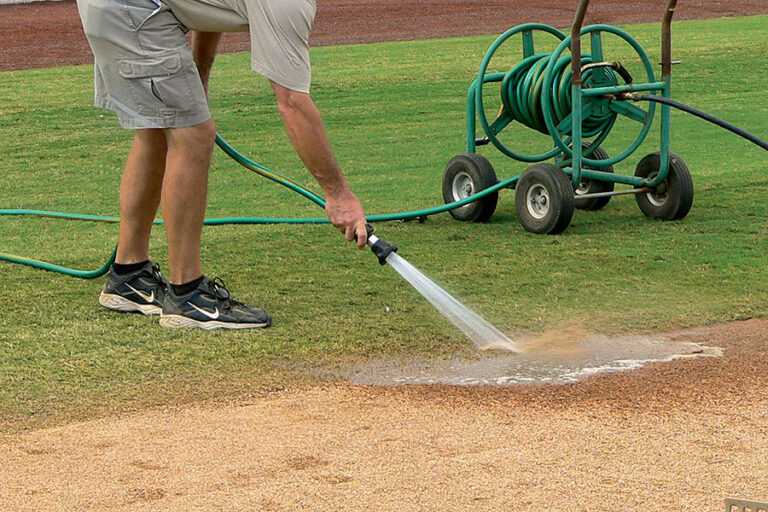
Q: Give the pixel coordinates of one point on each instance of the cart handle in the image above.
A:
(578, 21)
(666, 40)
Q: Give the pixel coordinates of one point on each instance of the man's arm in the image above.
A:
(307, 133)
(204, 46)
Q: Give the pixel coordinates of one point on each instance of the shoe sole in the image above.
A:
(118, 303)
(182, 322)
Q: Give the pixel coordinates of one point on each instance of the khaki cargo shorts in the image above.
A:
(143, 66)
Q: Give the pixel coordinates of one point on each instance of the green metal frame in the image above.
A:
(589, 93)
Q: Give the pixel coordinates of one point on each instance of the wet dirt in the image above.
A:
(558, 356)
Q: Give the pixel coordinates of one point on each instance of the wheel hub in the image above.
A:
(659, 195)
(537, 201)
(463, 186)
(583, 188)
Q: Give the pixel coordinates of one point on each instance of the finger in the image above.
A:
(362, 235)
(349, 234)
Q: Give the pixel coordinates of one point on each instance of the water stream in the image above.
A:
(559, 356)
(484, 335)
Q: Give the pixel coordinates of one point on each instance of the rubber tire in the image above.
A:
(678, 188)
(560, 190)
(482, 176)
(594, 186)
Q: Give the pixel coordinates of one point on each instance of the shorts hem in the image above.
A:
(279, 80)
(182, 120)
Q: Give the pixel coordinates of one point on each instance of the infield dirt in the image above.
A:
(681, 435)
(352, 21)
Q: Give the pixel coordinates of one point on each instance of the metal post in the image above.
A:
(578, 21)
(471, 109)
(666, 39)
(666, 77)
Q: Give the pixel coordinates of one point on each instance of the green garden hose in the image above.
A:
(258, 169)
(522, 91)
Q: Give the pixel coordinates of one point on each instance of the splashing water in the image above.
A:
(483, 335)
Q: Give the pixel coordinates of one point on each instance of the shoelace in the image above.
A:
(220, 291)
(159, 277)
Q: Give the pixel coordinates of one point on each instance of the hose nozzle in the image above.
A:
(381, 248)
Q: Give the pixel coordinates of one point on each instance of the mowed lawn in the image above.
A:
(396, 115)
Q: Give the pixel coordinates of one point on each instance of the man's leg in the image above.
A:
(184, 194)
(140, 195)
(194, 300)
(131, 286)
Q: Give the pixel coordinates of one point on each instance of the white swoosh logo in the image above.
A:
(149, 298)
(212, 316)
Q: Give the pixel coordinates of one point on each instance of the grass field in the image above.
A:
(395, 113)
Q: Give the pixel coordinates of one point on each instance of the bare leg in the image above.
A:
(140, 195)
(184, 195)
(204, 46)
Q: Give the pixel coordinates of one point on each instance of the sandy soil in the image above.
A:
(682, 435)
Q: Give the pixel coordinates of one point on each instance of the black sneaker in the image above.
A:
(209, 306)
(141, 291)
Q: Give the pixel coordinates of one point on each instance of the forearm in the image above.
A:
(307, 133)
(204, 45)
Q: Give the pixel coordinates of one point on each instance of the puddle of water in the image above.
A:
(557, 357)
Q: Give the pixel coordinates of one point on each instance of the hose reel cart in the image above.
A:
(576, 100)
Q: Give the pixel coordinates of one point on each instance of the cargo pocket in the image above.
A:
(159, 84)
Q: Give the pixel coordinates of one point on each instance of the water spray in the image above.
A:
(484, 335)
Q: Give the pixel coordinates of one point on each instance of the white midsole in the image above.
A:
(179, 321)
(118, 303)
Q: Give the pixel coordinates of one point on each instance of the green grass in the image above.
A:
(395, 113)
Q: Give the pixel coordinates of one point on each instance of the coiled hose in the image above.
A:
(522, 90)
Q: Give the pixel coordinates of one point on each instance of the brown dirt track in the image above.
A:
(352, 21)
(681, 435)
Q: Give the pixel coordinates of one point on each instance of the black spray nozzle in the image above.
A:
(381, 248)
